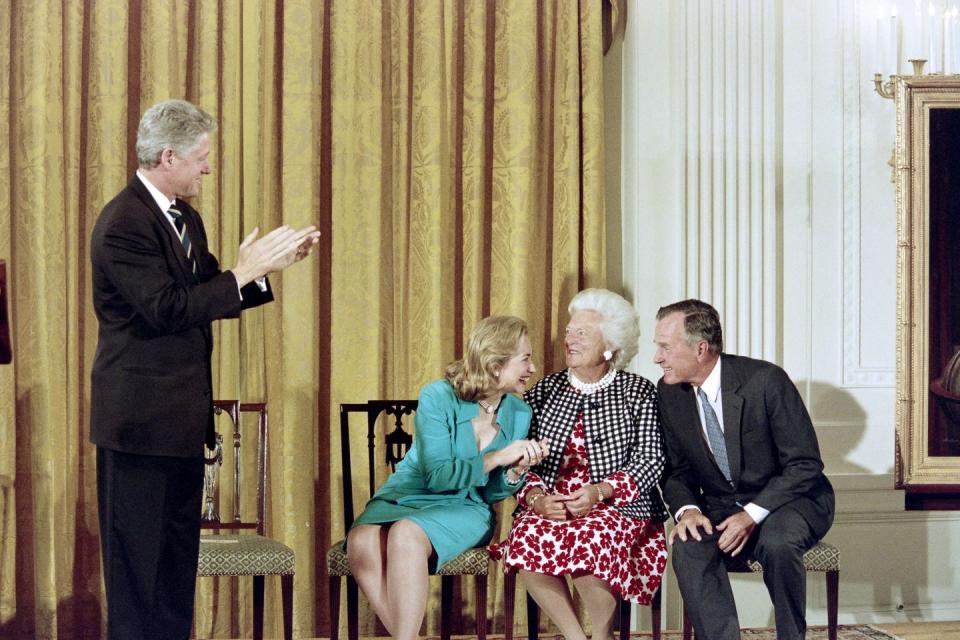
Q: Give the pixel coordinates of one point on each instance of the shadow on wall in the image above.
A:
(841, 423)
(877, 572)
(884, 559)
(78, 616)
(68, 609)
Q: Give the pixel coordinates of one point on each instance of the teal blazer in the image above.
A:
(444, 459)
(440, 484)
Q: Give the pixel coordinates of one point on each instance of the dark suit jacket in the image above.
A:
(771, 447)
(151, 382)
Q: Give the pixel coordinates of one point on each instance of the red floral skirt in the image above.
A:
(630, 555)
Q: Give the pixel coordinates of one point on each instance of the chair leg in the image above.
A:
(257, 607)
(833, 601)
(687, 626)
(446, 606)
(509, 600)
(655, 622)
(334, 593)
(480, 589)
(624, 619)
(353, 609)
(286, 596)
(533, 619)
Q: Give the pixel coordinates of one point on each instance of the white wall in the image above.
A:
(753, 174)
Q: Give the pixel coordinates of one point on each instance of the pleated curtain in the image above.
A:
(450, 152)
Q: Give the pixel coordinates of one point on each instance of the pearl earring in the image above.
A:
(608, 355)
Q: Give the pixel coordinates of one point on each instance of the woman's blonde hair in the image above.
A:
(490, 346)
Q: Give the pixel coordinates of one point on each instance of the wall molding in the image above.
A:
(733, 166)
(855, 373)
(895, 517)
(948, 611)
(872, 499)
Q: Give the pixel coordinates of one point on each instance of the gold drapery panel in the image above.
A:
(450, 151)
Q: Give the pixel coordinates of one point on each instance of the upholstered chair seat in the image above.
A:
(244, 555)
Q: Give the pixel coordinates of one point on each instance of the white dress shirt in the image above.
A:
(162, 201)
(711, 388)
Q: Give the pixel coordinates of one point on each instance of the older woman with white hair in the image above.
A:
(591, 509)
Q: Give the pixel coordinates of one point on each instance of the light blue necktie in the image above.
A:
(715, 435)
(181, 226)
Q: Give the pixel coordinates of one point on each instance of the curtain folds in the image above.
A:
(450, 152)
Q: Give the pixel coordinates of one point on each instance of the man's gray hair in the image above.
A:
(172, 124)
(700, 322)
(619, 322)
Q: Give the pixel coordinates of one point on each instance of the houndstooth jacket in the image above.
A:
(622, 429)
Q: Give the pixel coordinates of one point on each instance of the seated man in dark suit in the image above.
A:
(744, 474)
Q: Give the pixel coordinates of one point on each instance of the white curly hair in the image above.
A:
(619, 322)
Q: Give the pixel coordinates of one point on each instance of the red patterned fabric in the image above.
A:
(629, 554)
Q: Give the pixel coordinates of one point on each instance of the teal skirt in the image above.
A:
(452, 526)
(454, 520)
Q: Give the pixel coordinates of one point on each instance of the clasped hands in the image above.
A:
(735, 530)
(558, 506)
(273, 252)
(520, 455)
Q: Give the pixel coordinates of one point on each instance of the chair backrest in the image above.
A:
(6, 352)
(397, 440)
(221, 513)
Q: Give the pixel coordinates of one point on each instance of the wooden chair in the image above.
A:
(6, 352)
(239, 547)
(533, 612)
(473, 562)
(821, 557)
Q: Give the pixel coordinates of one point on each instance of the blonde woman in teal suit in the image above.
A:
(470, 450)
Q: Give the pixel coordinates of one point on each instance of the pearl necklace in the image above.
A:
(489, 408)
(589, 388)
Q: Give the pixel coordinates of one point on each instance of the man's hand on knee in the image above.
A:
(688, 525)
(737, 530)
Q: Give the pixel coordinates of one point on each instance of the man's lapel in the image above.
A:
(173, 242)
(696, 434)
(732, 413)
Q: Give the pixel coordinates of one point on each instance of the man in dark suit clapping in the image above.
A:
(156, 290)
(744, 474)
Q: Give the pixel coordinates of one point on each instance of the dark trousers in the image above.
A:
(149, 509)
(779, 544)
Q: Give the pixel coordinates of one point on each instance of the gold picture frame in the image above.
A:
(927, 462)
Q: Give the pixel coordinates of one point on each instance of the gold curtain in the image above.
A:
(449, 150)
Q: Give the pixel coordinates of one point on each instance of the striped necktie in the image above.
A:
(181, 228)
(715, 435)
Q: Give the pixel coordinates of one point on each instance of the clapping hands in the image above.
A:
(275, 251)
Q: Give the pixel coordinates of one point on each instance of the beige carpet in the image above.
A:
(844, 632)
(924, 630)
(908, 631)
